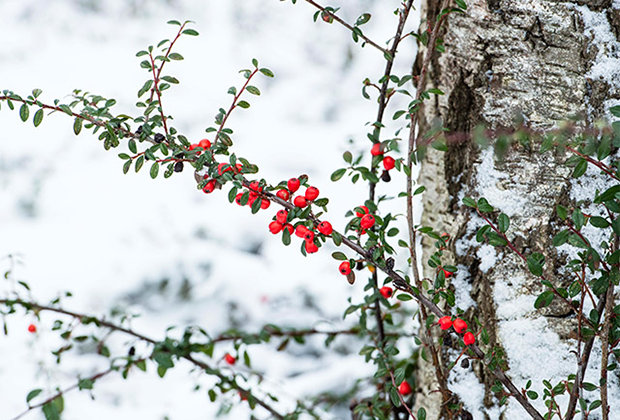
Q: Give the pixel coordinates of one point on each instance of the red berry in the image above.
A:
(301, 230)
(281, 216)
(311, 193)
(290, 228)
(229, 359)
(325, 228)
(326, 17)
(345, 268)
(311, 247)
(252, 199)
(300, 201)
(459, 325)
(204, 143)
(388, 163)
(364, 208)
(404, 388)
(367, 221)
(223, 167)
(255, 187)
(242, 396)
(275, 227)
(386, 292)
(309, 236)
(265, 204)
(238, 198)
(209, 187)
(376, 149)
(193, 146)
(238, 168)
(446, 273)
(283, 194)
(293, 184)
(32, 328)
(445, 322)
(469, 339)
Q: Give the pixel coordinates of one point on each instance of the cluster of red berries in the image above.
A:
(367, 220)
(204, 144)
(445, 322)
(255, 191)
(388, 161)
(281, 221)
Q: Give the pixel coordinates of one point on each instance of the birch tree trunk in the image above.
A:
(542, 61)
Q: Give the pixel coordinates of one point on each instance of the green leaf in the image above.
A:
(419, 190)
(127, 166)
(336, 238)
(85, 384)
(154, 170)
(24, 112)
(615, 111)
(363, 19)
(33, 394)
(174, 22)
(421, 413)
(503, 222)
(535, 264)
(267, 72)
(562, 212)
(190, 32)
(337, 174)
(544, 299)
(609, 194)
(560, 238)
(51, 412)
(394, 397)
(339, 256)
(461, 4)
(77, 126)
(580, 168)
(578, 219)
(484, 206)
(175, 56)
(253, 90)
(286, 237)
(599, 222)
(139, 163)
(38, 117)
(243, 104)
(470, 202)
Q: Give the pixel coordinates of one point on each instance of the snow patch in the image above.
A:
(462, 288)
(488, 179)
(606, 66)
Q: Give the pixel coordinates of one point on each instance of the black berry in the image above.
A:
(159, 138)
(178, 167)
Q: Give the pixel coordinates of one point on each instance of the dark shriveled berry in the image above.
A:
(465, 363)
(385, 176)
(390, 263)
(139, 130)
(178, 167)
(359, 265)
(159, 138)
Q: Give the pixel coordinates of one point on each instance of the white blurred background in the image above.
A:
(160, 248)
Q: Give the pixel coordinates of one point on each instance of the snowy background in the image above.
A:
(73, 222)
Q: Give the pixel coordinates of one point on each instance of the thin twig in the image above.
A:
(59, 394)
(346, 25)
